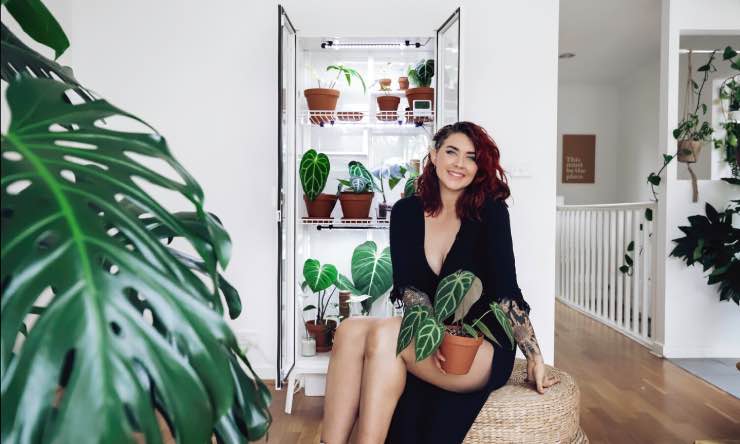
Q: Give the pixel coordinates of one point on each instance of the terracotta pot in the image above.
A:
(388, 106)
(322, 206)
(421, 93)
(403, 83)
(460, 352)
(688, 150)
(323, 333)
(356, 205)
(321, 99)
(384, 83)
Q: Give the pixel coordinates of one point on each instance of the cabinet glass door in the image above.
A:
(448, 71)
(286, 197)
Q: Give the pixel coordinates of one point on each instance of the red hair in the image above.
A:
(490, 179)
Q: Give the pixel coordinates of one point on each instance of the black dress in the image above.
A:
(426, 413)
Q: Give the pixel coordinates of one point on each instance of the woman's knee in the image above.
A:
(352, 332)
(383, 335)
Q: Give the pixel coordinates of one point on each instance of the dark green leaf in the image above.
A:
(428, 337)
(728, 53)
(503, 320)
(631, 246)
(649, 214)
(624, 269)
(314, 171)
(39, 24)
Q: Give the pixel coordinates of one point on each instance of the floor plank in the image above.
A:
(627, 394)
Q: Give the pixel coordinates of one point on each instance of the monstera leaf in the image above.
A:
(36, 20)
(314, 171)
(19, 58)
(125, 324)
(450, 292)
(319, 277)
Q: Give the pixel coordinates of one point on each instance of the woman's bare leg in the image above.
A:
(383, 380)
(343, 379)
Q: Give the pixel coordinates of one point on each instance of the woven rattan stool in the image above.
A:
(516, 413)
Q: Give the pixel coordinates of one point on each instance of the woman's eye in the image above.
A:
(450, 152)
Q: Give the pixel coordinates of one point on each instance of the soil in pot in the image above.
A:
(321, 99)
(421, 93)
(323, 333)
(459, 350)
(321, 207)
(688, 150)
(356, 205)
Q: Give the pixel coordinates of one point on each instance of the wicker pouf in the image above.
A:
(516, 413)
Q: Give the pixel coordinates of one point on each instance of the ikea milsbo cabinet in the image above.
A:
(374, 139)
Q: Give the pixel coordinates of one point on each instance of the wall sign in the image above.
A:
(579, 154)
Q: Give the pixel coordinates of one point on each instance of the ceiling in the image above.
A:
(610, 38)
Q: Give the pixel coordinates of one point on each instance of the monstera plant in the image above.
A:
(105, 325)
(372, 273)
(314, 171)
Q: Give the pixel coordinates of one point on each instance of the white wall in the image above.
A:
(695, 323)
(638, 130)
(591, 109)
(206, 77)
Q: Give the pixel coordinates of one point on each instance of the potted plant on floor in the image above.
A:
(372, 274)
(129, 325)
(458, 341)
(356, 193)
(394, 174)
(314, 171)
(421, 77)
(324, 100)
(319, 278)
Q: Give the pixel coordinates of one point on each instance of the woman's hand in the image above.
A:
(438, 358)
(537, 372)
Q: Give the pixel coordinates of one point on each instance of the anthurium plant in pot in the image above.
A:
(458, 341)
(356, 193)
(325, 99)
(420, 76)
(319, 279)
(372, 274)
(314, 171)
(394, 173)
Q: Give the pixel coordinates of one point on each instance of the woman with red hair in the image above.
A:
(456, 220)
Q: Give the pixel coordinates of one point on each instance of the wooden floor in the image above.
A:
(627, 394)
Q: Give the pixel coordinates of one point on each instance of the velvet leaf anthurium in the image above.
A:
(314, 172)
(372, 273)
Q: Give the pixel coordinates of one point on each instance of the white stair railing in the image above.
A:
(592, 241)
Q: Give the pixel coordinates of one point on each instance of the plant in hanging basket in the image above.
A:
(458, 341)
(372, 274)
(356, 193)
(314, 171)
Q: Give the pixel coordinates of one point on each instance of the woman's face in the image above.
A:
(454, 162)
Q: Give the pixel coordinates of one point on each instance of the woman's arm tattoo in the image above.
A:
(522, 327)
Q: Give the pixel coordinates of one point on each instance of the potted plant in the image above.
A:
(372, 275)
(314, 171)
(403, 83)
(393, 173)
(387, 104)
(323, 100)
(134, 329)
(714, 243)
(319, 278)
(421, 77)
(356, 193)
(458, 341)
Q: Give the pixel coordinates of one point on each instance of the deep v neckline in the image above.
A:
(424, 250)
